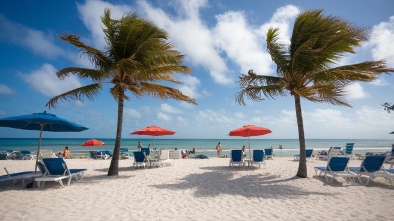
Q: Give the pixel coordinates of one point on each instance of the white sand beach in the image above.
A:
(195, 189)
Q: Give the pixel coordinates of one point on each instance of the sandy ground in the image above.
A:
(196, 189)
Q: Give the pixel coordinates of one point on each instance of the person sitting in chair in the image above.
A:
(65, 153)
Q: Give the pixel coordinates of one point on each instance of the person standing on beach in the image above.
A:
(218, 149)
(139, 146)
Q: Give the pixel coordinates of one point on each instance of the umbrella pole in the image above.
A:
(250, 156)
(38, 149)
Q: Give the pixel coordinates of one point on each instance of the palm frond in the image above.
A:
(278, 51)
(255, 86)
(83, 73)
(97, 57)
(163, 92)
(88, 91)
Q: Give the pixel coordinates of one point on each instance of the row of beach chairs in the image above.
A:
(370, 168)
(50, 170)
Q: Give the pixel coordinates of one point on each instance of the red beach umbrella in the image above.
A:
(93, 142)
(153, 131)
(249, 131)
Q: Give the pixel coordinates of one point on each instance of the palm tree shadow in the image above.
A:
(227, 180)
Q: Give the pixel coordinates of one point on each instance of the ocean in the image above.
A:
(202, 146)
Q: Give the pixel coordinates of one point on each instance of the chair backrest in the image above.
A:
(164, 155)
(258, 155)
(268, 151)
(372, 163)
(349, 148)
(56, 166)
(146, 150)
(25, 152)
(308, 153)
(337, 163)
(333, 151)
(42, 168)
(139, 157)
(236, 155)
(124, 150)
(46, 154)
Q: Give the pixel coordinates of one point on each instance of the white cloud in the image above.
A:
(234, 36)
(130, 112)
(90, 13)
(186, 105)
(36, 41)
(45, 81)
(355, 91)
(163, 116)
(382, 41)
(380, 81)
(213, 116)
(187, 31)
(240, 115)
(189, 86)
(170, 109)
(283, 18)
(181, 119)
(4, 89)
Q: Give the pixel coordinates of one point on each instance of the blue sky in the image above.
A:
(221, 40)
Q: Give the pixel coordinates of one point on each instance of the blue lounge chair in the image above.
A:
(258, 158)
(370, 168)
(139, 159)
(27, 155)
(146, 151)
(336, 167)
(269, 153)
(308, 153)
(14, 177)
(236, 158)
(55, 169)
(349, 150)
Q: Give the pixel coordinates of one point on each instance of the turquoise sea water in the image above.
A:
(202, 146)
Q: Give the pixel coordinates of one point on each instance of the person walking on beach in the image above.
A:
(218, 149)
(139, 146)
(243, 151)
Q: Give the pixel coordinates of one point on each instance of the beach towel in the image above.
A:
(201, 156)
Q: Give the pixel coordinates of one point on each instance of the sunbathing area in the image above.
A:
(197, 189)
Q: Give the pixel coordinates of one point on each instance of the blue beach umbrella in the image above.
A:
(42, 122)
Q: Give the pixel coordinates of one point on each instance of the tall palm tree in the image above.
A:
(307, 69)
(138, 56)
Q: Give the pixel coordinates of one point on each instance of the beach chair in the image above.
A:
(258, 158)
(46, 154)
(269, 153)
(55, 169)
(27, 155)
(236, 158)
(349, 150)
(332, 152)
(162, 159)
(14, 177)
(139, 159)
(103, 154)
(308, 153)
(336, 167)
(371, 167)
(124, 153)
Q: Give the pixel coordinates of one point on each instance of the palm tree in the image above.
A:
(138, 56)
(307, 69)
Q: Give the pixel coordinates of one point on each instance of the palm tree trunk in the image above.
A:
(302, 171)
(114, 167)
